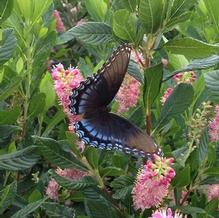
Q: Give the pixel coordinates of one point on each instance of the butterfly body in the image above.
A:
(100, 128)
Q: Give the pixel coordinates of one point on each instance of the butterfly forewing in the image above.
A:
(98, 91)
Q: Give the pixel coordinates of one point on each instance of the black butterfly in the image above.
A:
(100, 128)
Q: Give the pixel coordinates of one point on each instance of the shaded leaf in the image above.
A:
(37, 104)
(177, 103)
(133, 70)
(212, 81)
(19, 160)
(84, 182)
(182, 178)
(54, 209)
(94, 33)
(53, 152)
(7, 45)
(28, 209)
(6, 7)
(152, 82)
(9, 117)
(191, 210)
(7, 196)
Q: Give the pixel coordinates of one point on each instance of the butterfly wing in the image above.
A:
(98, 91)
(110, 131)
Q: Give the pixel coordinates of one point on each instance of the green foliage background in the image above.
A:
(34, 137)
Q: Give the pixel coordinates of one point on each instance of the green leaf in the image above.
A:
(57, 118)
(152, 82)
(6, 132)
(7, 196)
(212, 207)
(94, 33)
(53, 152)
(182, 177)
(212, 7)
(123, 193)
(83, 183)
(122, 181)
(19, 160)
(191, 210)
(125, 25)
(9, 117)
(111, 171)
(6, 7)
(37, 104)
(177, 103)
(212, 81)
(191, 48)
(28, 209)
(148, 14)
(133, 70)
(7, 45)
(93, 156)
(54, 209)
(203, 147)
(96, 205)
(47, 87)
(97, 9)
(213, 171)
(130, 5)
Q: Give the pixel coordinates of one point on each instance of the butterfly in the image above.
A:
(99, 127)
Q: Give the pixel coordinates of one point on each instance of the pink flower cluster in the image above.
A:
(52, 190)
(138, 58)
(59, 24)
(214, 126)
(152, 183)
(65, 81)
(186, 77)
(213, 192)
(166, 213)
(128, 94)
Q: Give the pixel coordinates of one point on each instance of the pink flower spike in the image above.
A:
(166, 95)
(128, 94)
(152, 183)
(52, 190)
(59, 24)
(213, 192)
(214, 126)
(166, 213)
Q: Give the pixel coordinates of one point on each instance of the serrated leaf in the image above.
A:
(177, 103)
(94, 33)
(7, 196)
(93, 156)
(7, 45)
(28, 209)
(212, 81)
(148, 14)
(54, 209)
(122, 181)
(53, 152)
(191, 48)
(125, 25)
(83, 183)
(19, 160)
(152, 82)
